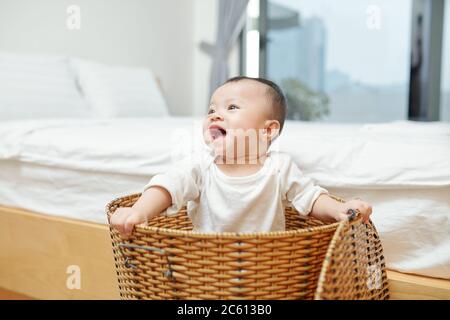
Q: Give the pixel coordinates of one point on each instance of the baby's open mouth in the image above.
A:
(217, 132)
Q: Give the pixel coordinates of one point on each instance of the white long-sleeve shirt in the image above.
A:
(217, 202)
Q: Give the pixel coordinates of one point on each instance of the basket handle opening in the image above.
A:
(168, 273)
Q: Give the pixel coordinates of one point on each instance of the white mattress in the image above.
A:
(73, 168)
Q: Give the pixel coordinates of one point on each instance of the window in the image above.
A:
(445, 82)
(337, 61)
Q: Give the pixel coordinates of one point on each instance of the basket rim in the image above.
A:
(222, 235)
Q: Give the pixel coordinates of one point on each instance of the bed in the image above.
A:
(63, 168)
(56, 176)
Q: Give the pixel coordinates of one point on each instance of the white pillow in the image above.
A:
(38, 86)
(114, 91)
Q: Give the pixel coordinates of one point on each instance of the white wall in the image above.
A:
(152, 33)
(162, 35)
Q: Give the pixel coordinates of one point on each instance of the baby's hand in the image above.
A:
(124, 220)
(363, 207)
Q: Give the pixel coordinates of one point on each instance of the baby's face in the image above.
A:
(238, 111)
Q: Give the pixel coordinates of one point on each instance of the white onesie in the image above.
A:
(254, 203)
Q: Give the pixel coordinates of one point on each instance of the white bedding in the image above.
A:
(401, 154)
(72, 168)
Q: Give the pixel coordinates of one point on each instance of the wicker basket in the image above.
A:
(310, 260)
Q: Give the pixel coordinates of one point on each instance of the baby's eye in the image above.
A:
(210, 111)
(232, 107)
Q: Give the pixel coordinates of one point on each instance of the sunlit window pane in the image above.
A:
(252, 37)
(252, 59)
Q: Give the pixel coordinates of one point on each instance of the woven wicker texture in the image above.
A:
(166, 260)
(354, 266)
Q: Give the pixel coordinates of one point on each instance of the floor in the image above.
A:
(9, 295)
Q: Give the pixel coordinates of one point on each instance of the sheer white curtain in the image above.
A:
(231, 20)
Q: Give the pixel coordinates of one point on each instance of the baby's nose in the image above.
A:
(216, 116)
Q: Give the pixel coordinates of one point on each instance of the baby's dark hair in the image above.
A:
(279, 103)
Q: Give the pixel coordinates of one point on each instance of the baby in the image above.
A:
(240, 186)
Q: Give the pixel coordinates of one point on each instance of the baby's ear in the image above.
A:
(272, 128)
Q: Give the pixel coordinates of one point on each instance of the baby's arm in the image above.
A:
(152, 202)
(310, 199)
(327, 209)
(167, 191)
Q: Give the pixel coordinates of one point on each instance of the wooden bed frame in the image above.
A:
(38, 250)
